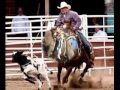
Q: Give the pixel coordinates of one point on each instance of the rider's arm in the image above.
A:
(77, 20)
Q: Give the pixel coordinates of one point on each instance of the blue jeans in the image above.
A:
(85, 42)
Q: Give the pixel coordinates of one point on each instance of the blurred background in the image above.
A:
(42, 7)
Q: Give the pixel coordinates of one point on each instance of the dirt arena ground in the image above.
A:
(99, 80)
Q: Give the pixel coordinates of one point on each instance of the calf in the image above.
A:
(36, 69)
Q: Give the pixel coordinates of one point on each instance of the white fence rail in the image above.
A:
(43, 23)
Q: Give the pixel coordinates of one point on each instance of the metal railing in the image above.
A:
(43, 27)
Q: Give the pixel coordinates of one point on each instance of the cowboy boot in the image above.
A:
(89, 61)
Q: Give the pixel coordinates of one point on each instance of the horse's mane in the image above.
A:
(49, 41)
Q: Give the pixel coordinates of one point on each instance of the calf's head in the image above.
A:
(16, 56)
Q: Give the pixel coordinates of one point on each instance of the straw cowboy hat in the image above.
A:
(64, 4)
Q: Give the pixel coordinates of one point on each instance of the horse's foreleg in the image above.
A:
(65, 78)
(59, 72)
(83, 73)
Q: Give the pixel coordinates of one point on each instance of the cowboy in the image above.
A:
(67, 14)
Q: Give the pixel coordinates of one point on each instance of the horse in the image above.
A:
(32, 69)
(70, 55)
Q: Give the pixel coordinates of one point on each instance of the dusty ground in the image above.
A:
(98, 81)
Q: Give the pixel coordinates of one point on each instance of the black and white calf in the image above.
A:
(35, 70)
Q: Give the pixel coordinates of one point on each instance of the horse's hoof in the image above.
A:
(59, 83)
(49, 89)
(65, 81)
(39, 89)
(80, 80)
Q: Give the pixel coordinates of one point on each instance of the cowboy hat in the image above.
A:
(64, 4)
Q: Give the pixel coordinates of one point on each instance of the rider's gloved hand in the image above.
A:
(74, 29)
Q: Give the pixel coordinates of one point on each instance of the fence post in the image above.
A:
(85, 23)
(42, 53)
(104, 53)
(31, 45)
(103, 23)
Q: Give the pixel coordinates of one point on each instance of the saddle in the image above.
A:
(77, 50)
(73, 33)
(75, 42)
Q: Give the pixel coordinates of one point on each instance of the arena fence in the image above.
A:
(38, 26)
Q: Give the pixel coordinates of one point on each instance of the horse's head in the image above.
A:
(56, 33)
(16, 56)
(67, 24)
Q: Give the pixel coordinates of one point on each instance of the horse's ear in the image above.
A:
(70, 22)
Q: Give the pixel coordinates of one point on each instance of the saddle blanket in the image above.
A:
(73, 42)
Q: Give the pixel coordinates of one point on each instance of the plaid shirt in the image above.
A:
(70, 15)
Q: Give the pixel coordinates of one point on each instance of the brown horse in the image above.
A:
(70, 57)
